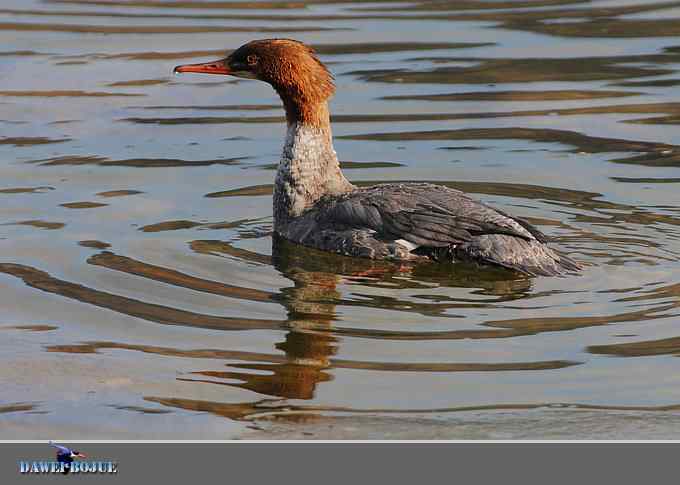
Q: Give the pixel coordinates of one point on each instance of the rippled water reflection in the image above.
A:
(144, 294)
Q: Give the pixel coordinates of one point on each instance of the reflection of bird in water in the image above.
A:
(296, 378)
(66, 455)
(311, 343)
(307, 347)
(311, 303)
(316, 206)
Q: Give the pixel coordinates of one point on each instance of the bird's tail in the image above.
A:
(530, 257)
(567, 264)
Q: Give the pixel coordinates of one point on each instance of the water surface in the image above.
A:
(145, 296)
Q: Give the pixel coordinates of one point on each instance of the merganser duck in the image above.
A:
(316, 206)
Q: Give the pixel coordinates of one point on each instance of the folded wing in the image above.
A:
(425, 215)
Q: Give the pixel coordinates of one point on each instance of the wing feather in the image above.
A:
(423, 214)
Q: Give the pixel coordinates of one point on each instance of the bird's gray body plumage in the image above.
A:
(411, 221)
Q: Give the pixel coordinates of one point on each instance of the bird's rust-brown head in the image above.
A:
(291, 67)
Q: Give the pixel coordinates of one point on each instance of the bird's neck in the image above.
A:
(309, 167)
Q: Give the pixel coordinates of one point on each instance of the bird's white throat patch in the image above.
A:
(302, 171)
(306, 144)
(308, 170)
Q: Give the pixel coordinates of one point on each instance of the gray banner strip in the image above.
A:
(318, 463)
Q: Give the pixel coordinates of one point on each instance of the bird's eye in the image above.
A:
(252, 60)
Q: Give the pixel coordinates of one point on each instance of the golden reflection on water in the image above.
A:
(135, 225)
